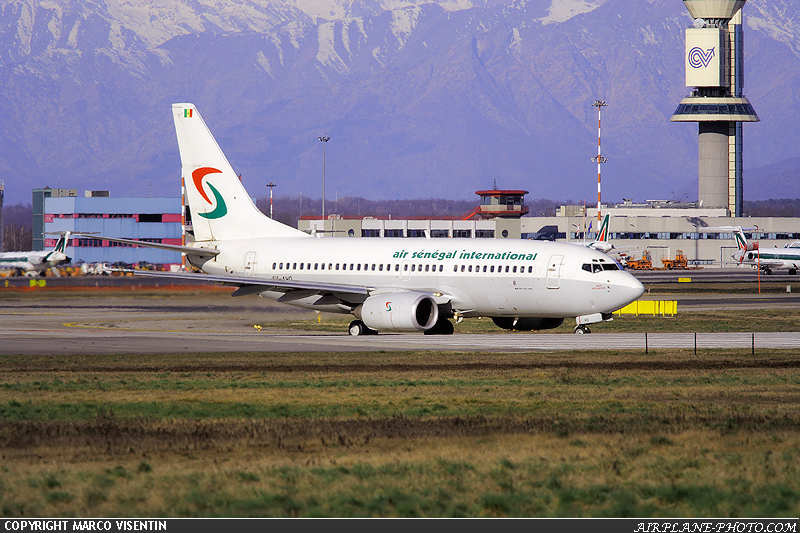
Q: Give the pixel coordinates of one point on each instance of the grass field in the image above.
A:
(410, 434)
(402, 434)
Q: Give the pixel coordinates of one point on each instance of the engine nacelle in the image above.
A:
(526, 324)
(399, 311)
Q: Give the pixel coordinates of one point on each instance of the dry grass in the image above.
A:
(401, 434)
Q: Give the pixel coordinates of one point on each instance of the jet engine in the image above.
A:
(399, 311)
(526, 324)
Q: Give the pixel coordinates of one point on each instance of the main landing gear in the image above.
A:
(580, 330)
(357, 327)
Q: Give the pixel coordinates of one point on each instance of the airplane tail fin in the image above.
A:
(738, 236)
(62, 242)
(602, 233)
(742, 244)
(220, 206)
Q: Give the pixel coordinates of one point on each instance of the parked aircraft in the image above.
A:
(765, 259)
(600, 243)
(388, 284)
(37, 263)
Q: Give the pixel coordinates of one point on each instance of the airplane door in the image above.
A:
(250, 264)
(405, 274)
(554, 271)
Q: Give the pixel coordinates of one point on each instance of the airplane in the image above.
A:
(600, 243)
(37, 263)
(765, 259)
(390, 284)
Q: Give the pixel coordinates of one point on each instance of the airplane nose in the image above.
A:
(631, 289)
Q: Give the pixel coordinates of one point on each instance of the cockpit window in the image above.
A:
(597, 266)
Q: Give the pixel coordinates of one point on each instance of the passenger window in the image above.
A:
(469, 269)
(301, 266)
(427, 267)
(280, 267)
(405, 268)
(514, 270)
(491, 268)
(274, 265)
(337, 266)
(455, 268)
(351, 266)
(316, 266)
(441, 268)
(373, 266)
(530, 270)
(413, 267)
(294, 266)
(506, 268)
(463, 267)
(380, 267)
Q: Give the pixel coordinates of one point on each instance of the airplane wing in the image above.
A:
(202, 252)
(330, 293)
(253, 285)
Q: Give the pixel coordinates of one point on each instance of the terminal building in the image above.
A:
(146, 219)
(663, 229)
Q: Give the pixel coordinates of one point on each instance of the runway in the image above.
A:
(217, 323)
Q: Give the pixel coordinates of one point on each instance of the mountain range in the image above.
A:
(420, 98)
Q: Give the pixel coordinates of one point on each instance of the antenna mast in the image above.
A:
(599, 158)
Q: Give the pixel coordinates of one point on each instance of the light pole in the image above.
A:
(324, 141)
(599, 158)
(270, 185)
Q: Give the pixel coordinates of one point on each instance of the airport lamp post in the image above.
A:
(270, 185)
(324, 141)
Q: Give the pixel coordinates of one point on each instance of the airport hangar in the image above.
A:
(662, 228)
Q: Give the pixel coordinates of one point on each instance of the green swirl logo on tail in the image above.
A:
(197, 178)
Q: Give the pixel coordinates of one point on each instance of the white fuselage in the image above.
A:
(479, 277)
(32, 261)
(778, 258)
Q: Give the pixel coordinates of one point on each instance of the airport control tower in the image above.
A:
(715, 68)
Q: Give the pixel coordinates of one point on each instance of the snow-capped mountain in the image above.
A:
(421, 98)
